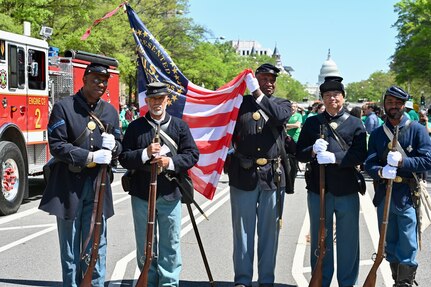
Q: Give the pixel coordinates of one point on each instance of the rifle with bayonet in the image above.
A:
(316, 278)
(143, 277)
(96, 223)
(372, 275)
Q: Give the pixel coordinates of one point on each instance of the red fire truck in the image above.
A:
(32, 78)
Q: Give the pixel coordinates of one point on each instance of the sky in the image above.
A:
(359, 33)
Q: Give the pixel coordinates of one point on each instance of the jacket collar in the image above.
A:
(164, 121)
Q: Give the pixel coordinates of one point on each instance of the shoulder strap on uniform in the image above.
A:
(391, 136)
(172, 145)
(399, 147)
(339, 121)
(91, 113)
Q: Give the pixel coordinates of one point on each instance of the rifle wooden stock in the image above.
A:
(316, 277)
(372, 275)
(101, 186)
(143, 277)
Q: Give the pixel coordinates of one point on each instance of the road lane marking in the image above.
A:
(51, 227)
(298, 258)
(370, 216)
(205, 205)
(31, 211)
(18, 215)
(120, 269)
(213, 208)
(25, 227)
(369, 212)
(121, 265)
(27, 238)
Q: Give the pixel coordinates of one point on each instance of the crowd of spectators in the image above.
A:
(371, 114)
(128, 113)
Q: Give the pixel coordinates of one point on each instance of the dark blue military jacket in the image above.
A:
(138, 136)
(339, 177)
(67, 121)
(417, 145)
(254, 139)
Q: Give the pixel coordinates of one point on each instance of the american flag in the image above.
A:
(211, 115)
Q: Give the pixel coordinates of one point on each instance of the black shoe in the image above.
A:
(406, 275)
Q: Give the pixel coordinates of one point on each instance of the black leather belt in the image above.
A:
(407, 180)
(259, 161)
(400, 179)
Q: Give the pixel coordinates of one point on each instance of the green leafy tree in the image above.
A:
(204, 63)
(412, 58)
(371, 89)
(291, 89)
(112, 37)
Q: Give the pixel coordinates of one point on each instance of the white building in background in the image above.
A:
(247, 48)
(250, 48)
(279, 64)
(329, 68)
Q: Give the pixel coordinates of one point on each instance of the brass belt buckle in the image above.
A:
(398, 179)
(261, 161)
(91, 165)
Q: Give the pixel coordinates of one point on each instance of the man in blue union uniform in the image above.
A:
(252, 172)
(80, 147)
(412, 156)
(139, 153)
(341, 149)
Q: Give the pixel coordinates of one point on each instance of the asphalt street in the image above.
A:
(29, 253)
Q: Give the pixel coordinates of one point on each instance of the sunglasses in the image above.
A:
(98, 81)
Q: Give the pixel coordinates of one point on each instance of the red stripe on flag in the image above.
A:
(212, 167)
(205, 188)
(217, 120)
(206, 147)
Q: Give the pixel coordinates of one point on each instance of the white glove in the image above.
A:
(108, 141)
(325, 157)
(393, 158)
(389, 172)
(252, 83)
(320, 145)
(102, 156)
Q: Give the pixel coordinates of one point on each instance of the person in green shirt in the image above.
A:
(293, 126)
(413, 115)
(123, 122)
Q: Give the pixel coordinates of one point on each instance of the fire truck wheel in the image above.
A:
(13, 175)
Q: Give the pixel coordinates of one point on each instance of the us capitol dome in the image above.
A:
(329, 68)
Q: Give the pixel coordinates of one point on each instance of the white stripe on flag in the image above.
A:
(211, 134)
(212, 158)
(202, 110)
